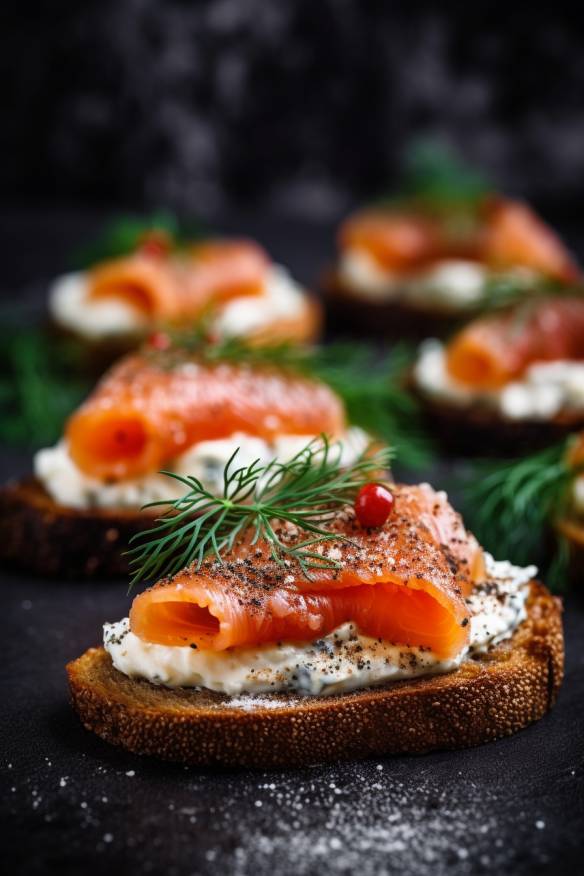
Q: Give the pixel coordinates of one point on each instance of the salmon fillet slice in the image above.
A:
(516, 236)
(495, 349)
(404, 582)
(183, 285)
(149, 409)
(500, 234)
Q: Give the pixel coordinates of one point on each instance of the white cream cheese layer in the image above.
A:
(342, 661)
(73, 309)
(452, 284)
(283, 299)
(68, 485)
(545, 390)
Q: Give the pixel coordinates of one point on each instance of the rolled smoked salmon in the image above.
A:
(404, 582)
(493, 350)
(146, 412)
(501, 234)
(175, 286)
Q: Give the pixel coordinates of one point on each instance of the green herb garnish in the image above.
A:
(307, 492)
(123, 236)
(39, 386)
(511, 505)
(434, 174)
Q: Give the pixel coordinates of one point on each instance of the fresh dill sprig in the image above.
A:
(436, 181)
(39, 385)
(306, 491)
(434, 174)
(507, 290)
(511, 505)
(123, 235)
(370, 382)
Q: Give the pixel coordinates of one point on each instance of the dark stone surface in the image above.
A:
(72, 805)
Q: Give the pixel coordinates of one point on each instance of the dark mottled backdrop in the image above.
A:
(304, 104)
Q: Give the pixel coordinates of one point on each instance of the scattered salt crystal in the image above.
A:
(108, 837)
(131, 773)
(540, 824)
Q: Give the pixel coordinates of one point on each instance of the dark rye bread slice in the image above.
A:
(486, 698)
(394, 319)
(476, 430)
(40, 536)
(572, 530)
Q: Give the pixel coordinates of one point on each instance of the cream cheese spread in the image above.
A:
(206, 460)
(545, 390)
(73, 309)
(342, 661)
(451, 284)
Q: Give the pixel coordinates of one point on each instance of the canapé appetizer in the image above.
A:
(441, 253)
(174, 408)
(318, 613)
(510, 380)
(164, 281)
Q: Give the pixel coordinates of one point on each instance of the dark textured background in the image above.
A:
(305, 105)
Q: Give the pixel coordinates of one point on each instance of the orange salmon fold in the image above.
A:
(398, 241)
(494, 350)
(149, 409)
(501, 234)
(183, 285)
(516, 237)
(403, 583)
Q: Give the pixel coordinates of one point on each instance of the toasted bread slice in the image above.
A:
(572, 529)
(475, 430)
(396, 319)
(488, 697)
(46, 538)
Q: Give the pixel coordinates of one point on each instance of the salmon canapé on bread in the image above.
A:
(178, 410)
(417, 268)
(323, 628)
(232, 284)
(511, 380)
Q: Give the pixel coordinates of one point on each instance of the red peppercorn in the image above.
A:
(373, 505)
(154, 243)
(159, 341)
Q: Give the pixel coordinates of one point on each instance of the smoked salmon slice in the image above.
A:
(396, 241)
(516, 236)
(404, 582)
(149, 409)
(493, 350)
(499, 233)
(182, 285)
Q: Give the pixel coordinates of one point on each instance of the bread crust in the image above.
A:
(41, 536)
(475, 430)
(390, 319)
(487, 698)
